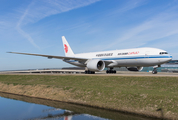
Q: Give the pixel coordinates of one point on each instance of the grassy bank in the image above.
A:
(143, 95)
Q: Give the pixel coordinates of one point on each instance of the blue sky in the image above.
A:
(36, 26)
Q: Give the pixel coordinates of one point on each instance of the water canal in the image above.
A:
(15, 107)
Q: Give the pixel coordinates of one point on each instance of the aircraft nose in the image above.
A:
(170, 57)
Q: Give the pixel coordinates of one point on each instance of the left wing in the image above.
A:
(52, 56)
(85, 60)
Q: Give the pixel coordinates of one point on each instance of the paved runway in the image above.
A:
(160, 74)
(119, 73)
(141, 74)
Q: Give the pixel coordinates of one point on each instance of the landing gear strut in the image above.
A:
(110, 71)
(89, 72)
(154, 71)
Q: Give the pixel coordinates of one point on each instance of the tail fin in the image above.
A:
(68, 117)
(67, 49)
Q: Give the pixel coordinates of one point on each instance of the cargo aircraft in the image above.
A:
(133, 59)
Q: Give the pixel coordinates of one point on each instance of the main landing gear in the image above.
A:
(111, 71)
(89, 72)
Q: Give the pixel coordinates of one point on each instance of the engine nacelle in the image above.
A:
(135, 68)
(96, 65)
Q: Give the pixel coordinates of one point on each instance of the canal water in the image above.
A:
(15, 107)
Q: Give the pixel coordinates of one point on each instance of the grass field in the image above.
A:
(134, 94)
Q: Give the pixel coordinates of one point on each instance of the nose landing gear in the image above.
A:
(154, 71)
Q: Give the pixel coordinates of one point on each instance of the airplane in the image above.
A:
(133, 59)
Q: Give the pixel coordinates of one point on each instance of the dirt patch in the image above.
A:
(41, 91)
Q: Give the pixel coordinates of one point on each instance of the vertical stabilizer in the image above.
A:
(68, 118)
(67, 49)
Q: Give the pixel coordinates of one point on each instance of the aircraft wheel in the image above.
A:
(110, 71)
(92, 72)
(154, 71)
(89, 72)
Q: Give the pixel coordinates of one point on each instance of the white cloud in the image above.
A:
(3, 25)
(44, 8)
(128, 5)
(41, 9)
(19, 29)
(160, 26)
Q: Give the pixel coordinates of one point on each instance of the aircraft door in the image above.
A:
(147, 54)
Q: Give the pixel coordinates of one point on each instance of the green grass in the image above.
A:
(147, 93)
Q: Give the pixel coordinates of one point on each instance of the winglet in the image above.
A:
(67, 49)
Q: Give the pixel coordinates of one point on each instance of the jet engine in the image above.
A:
(96, 65)
(134, 68)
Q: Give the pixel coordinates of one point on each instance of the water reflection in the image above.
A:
(26, 108)
(67, 115)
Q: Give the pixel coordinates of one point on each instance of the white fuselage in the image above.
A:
(127, 57)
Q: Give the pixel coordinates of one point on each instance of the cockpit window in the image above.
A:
(161, 53)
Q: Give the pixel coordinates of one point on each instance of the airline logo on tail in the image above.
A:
(65, 48)
(68, 117)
